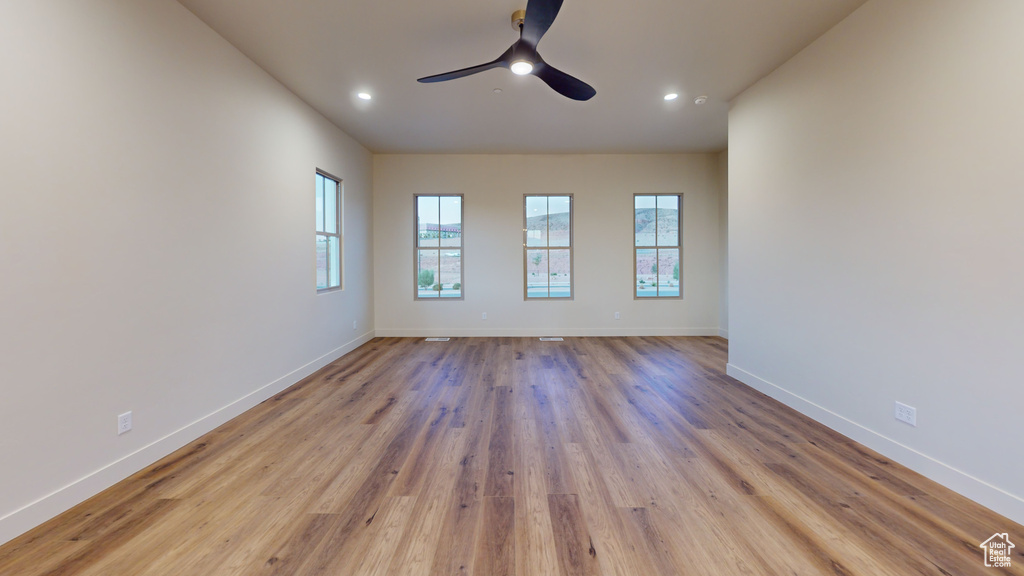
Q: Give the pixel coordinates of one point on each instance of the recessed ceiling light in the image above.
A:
(522, 67)
(364, 96)
(497, 90)
(700, 100)
(672, 96)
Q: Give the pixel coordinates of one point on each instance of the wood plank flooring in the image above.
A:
(510, 456)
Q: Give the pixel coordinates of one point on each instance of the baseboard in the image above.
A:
(723, 333)
(992, 497)
(24, 519)
(527, 333)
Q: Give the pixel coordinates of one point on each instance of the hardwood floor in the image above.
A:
(495, 456)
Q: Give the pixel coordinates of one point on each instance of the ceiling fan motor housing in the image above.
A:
(523, 51)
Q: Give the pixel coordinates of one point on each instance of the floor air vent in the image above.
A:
(438, 339)
(551, 340)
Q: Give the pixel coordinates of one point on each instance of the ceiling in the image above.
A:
(633, 53)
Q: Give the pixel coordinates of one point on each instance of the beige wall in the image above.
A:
(602, 187)
(156, 243)
(875, 237)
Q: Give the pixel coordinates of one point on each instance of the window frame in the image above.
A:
(548, 248)
(656, 247)
(416, 248)
(339, 198)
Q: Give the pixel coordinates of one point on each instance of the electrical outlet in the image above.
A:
(616, 315)
(906, 413)
(124, 423)
(483, 316)
(355, 324)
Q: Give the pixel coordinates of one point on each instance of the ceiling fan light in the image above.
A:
(522, 67)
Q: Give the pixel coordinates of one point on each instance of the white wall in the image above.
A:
(156, 243)
(602, 188)
(875, 242)
(723, 243)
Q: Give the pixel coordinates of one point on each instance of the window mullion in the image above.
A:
(657, 258)
(547, 271)
(440, 245)
(547, 230)
(657, 242)
(547, 242)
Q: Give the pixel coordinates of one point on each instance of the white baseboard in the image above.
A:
(723, 333)
(45, 508)
(993, 497)
(527, 333)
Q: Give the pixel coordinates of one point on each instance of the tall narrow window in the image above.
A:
(547, 247)
(438, 247)
(328, 232)
(657, 245)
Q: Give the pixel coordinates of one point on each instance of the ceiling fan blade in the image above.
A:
(539, 16)
(562, 83)
(501, 62)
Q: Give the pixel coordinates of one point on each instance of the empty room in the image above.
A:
(529, 287)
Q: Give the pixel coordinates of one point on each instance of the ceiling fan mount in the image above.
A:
(522, 57)
(517, 20)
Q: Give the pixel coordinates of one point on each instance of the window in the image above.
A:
(547, 247)
(656, 246)
(328, 232)
(438, 246)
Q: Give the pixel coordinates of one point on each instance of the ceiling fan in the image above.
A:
(522, 57)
